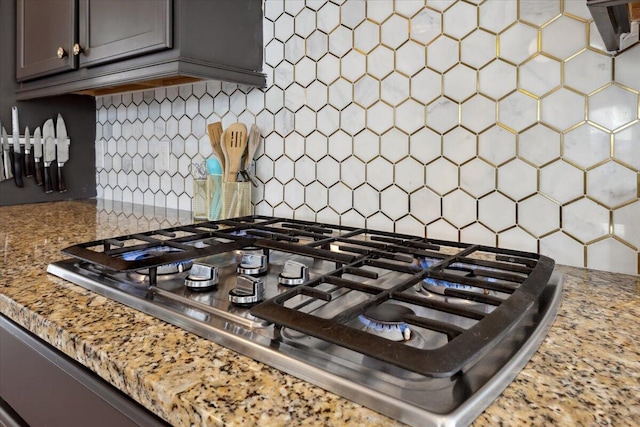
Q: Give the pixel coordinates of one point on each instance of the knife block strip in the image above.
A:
(22, 141)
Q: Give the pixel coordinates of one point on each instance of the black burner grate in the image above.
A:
(511, 283)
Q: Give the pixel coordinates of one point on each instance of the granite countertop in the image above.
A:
(586, 372)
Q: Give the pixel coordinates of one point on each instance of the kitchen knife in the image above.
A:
(37, 155)
(2, 173)
(17, 155)
(62, 148)
(1, 162)
(28, 170)
(49, 153)
(8, 166)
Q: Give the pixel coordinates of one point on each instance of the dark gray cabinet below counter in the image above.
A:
(122, 46)
(42, 386)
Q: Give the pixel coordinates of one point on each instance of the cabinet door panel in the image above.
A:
(116, 29)
(43, 27)
(47, 388)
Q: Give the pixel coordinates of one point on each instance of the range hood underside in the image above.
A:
(616, 21)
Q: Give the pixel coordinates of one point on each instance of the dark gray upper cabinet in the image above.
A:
(45, 35)
(116, 29)
(124, 45)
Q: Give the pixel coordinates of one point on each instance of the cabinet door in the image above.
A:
(47, 388)
(117, 29)
(45, 34)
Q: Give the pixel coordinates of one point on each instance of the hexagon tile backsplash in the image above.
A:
(500, 122)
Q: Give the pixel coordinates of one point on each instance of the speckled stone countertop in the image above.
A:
(586, 372)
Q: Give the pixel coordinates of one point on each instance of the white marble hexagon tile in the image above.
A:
(499, 122)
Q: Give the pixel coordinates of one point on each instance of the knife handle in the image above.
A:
(38, 168)
(48, 188)
(62, 187)
(28, 164)
(17, 166)
(11, 162)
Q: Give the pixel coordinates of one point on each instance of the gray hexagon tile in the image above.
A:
(573, 33)
(518, 42)
(613, 107)
(562, 181)
(496, 211)
(542, 74)
(539, 145)
(478, 48)
(612, 184)
(611, 254)
(588, 145)
(625, 222)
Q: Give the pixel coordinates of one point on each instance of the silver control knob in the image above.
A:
(202, 277)
(248, 290)
(293, 274)
(253, 264)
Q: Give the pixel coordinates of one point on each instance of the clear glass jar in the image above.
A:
(200, 202)
(236, 199)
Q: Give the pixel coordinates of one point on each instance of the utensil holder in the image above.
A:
(200, 201)
(215, 197)
(236, 199)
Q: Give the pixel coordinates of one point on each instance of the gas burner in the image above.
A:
(202, 277)
(293, 274)
(387, 321)
(254, 262)
(440, 286)
(142, 276)
(171, 268)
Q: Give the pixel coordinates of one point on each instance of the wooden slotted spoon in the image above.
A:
(215, 136)
(235, 142)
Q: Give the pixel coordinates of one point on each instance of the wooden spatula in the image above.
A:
(235, 142)
(215, 133)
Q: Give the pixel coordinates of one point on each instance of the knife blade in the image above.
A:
(2, 172)
(62, 148)
(8, 165)
(49, 153)
(37, 155)
(17, 155)
(2, 177)
(1, 167)
(28, 170)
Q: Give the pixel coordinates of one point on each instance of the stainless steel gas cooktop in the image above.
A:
(428, 332)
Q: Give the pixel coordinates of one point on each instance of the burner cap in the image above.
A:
(388, 313)
(386, 320)
(165, 269)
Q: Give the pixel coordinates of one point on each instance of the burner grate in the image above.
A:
(520, 277)
(377, 267)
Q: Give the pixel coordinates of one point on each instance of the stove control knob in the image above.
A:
(248, 290)
(293, 274)
(202, 277)
(253, 264)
